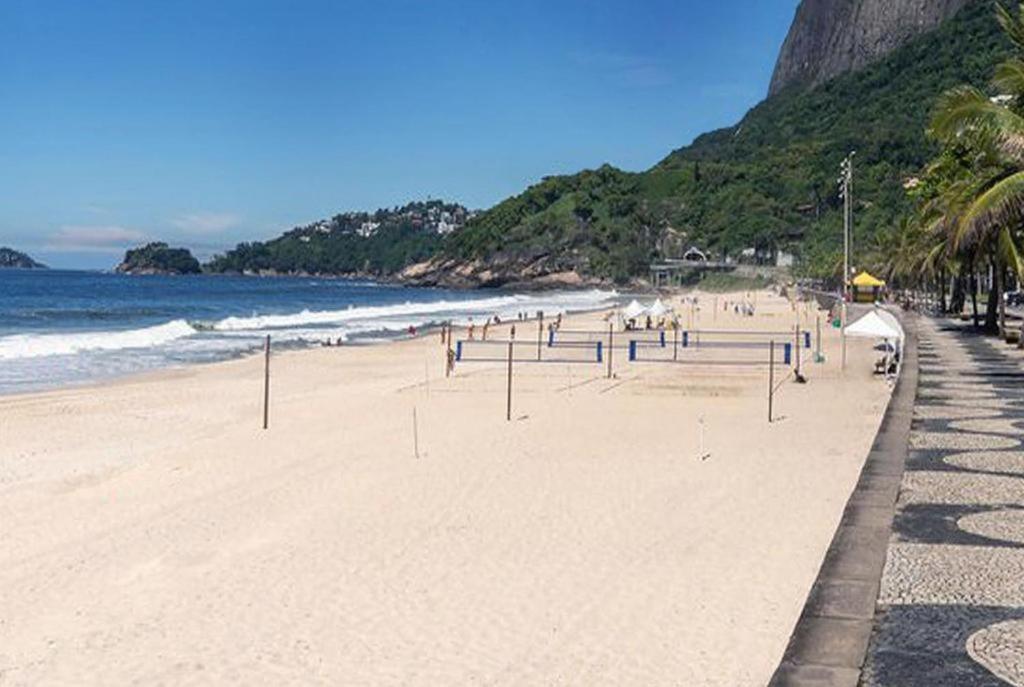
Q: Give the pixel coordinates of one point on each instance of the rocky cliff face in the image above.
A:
(831, 37)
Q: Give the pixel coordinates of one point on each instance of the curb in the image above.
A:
(830, 640)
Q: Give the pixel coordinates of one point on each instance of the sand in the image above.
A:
(152, 533)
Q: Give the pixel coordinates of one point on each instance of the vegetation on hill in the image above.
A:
(159, 258)
(377, 244)
(970, 203)
(766, 183)
(10, 258)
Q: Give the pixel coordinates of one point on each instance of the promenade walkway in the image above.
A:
(951, 601)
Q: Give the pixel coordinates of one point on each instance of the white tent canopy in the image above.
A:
(874, 326)
(658, 309)
(633, 311)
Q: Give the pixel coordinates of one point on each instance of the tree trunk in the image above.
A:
(974, 298)
(942, 291)
(957, 300)
(992, 309)
(1000, 281)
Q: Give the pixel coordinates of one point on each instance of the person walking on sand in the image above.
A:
(483, 332)
(472, 329)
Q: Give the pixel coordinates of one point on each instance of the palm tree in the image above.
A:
(983, 200)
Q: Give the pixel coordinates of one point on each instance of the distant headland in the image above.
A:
(158, 258)
(12, 259)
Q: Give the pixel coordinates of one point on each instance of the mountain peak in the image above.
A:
(832, 37)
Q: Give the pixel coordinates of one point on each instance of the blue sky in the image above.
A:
(207, 123)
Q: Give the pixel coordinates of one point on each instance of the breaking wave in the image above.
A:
(40, 345)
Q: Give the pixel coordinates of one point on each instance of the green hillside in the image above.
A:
(377, 244)
(768, 182)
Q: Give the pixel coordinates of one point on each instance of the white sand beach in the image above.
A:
(152, 533)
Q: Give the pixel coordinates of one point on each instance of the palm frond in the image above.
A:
(1000, 205)
(1012, 25)
(965, 108)
(1009, 77)
(1008, 252)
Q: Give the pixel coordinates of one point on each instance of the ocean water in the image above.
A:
(60, 328)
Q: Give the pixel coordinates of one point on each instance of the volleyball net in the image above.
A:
(694, 347)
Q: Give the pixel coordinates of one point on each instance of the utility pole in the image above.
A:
(846, 191)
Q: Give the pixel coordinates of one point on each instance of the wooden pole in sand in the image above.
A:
(771, 378)
(817, 344)
(611, 342)
(798, 344)
(448, 353)
(508, 404)
(540, 332)
(266, 383)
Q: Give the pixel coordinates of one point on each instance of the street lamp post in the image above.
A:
(846, 191)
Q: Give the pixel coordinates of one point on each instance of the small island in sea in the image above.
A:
(12, 259)
(158, 258)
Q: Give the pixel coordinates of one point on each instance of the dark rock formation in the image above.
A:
(832, 37)
(10, 258)
(158, 258)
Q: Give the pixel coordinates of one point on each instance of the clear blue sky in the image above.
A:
(205, 123)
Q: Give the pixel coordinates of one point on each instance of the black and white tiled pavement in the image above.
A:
(951, 603)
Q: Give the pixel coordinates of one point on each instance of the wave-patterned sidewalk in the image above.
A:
(951, 602)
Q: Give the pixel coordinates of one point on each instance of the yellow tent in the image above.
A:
(866, 281)
(866, 289)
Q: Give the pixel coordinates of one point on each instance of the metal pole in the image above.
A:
(798, 346)
(611, 342)
(675, 343)
(849, 192)
(508, 405)
(771, 378)
(266, 383)
(842, 335)
(540, 332)
(846, 230)
(448, 353)
(817, 356)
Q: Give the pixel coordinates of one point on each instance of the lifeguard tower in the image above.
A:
(867, 288)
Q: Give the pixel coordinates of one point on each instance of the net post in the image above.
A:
(797, 347)
(266, 383)
(508, 404)
(540, 332)
(817, 356)
(771, 377)
(448, 360)
(611, 346)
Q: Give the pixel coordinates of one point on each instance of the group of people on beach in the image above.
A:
(744, 308)
(649, 324)
(496, 320)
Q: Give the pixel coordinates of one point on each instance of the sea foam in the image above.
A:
(20, 346)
